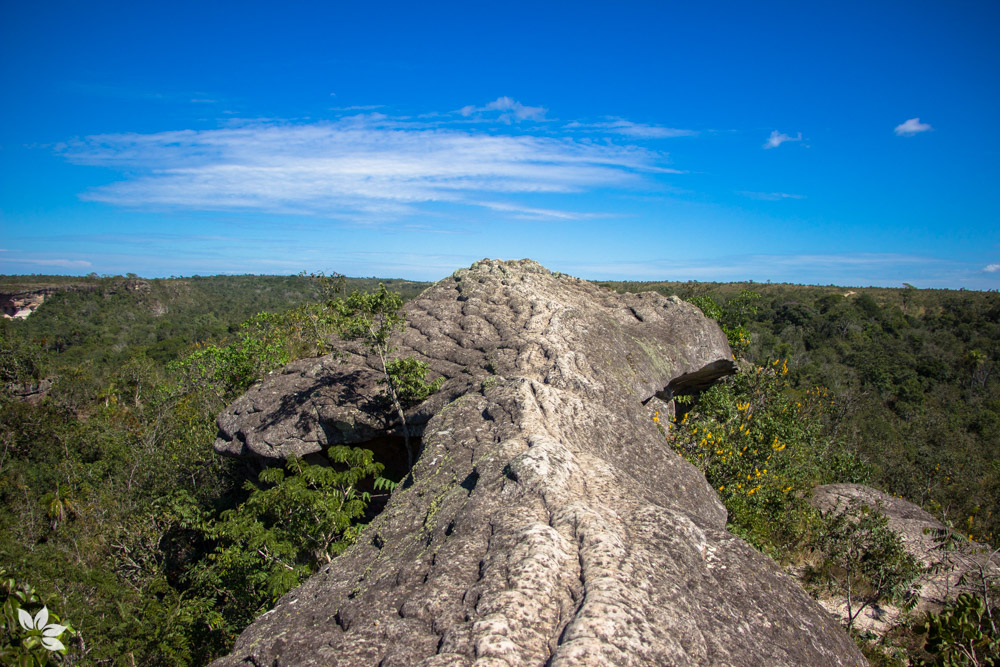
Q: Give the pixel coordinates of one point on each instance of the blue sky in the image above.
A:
(847, 143)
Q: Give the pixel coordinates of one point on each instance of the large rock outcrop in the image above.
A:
(549, 522)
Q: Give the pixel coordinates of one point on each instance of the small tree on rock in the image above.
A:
(867, 559)
(372, 318)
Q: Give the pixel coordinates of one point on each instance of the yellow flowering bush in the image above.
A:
(758, 442)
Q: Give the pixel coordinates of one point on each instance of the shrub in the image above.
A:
(964, 633)
(866, 559)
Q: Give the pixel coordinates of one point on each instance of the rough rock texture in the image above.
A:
(549, 522)
(916, 528)
(31, 392)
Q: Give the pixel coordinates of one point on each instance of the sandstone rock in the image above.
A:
(917, 529)
(549, 522)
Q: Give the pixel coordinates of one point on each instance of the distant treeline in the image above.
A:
(113, 317)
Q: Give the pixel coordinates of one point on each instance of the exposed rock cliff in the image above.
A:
(19, 300)
(549, 523)
(18, 305)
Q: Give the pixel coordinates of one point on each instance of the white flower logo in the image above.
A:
(39, 625)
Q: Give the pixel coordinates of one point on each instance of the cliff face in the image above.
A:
(18, 301)
(17, 306)
(549, 523)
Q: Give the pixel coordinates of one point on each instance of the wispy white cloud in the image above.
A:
(62, 263)
(533, 213)
(365, 167)
(629, 129)
(991, 268)
(769, 196)
(509, 110)
(778, 138)
(911, 127)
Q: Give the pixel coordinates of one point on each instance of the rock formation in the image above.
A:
(919, 532)
(19, 300)
(549, 522)
(19, 305)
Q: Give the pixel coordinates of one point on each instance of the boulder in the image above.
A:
(948, 572)
(548, 522)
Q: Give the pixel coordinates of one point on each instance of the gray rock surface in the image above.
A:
(917, 529)
(549, 523)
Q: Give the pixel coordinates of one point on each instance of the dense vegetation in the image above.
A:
(891, 388)
(157, 552)
(113, 503)
(909, 378)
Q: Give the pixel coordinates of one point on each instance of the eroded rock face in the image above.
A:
(549, 522)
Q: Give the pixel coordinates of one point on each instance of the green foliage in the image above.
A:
(110, 492)
(100, 322)
(230, 369)
(20, 361)
(294, 520)
(732, 316)
(760, 448)
(30, 632)
(373, 318)
(914, 376)
(866, 559)
(963, 634)
(408, 376)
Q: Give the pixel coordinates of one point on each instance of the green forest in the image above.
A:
(146, 548)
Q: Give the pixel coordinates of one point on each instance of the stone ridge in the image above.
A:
(549, 522)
